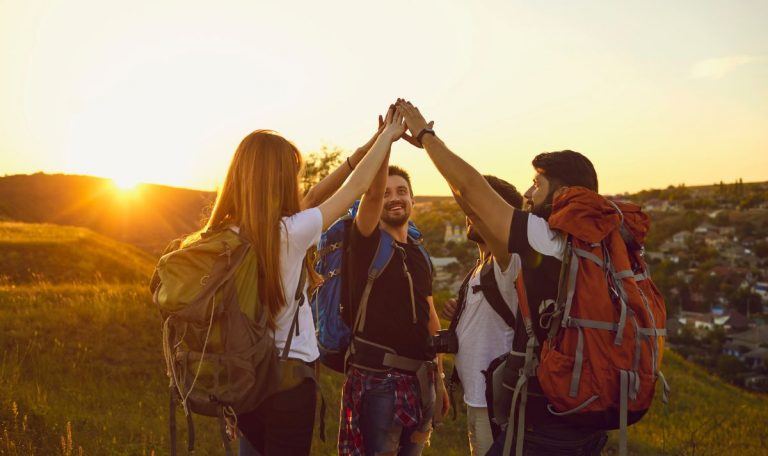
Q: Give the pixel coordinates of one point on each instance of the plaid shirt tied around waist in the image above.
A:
(407, 405)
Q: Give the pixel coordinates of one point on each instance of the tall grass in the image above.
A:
(81, 372)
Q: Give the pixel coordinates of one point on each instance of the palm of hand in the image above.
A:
(394, 130)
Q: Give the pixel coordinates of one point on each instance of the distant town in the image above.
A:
(708, 254)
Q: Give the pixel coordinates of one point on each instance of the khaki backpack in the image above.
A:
(220, 355)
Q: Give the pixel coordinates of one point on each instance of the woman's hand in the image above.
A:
(394, 126)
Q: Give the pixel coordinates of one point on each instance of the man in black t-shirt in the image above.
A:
(526, 233)
(389, 394)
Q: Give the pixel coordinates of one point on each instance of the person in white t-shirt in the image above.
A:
(261, 199)
(484, 319)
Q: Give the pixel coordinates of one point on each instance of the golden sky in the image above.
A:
(655, 92)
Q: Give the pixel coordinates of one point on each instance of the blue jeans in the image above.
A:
(377, 423)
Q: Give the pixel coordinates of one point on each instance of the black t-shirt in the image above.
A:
(389, 314)
(541, 274)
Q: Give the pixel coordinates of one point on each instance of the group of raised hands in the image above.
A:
(402, 116)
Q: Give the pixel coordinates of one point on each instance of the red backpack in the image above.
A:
(602, 356)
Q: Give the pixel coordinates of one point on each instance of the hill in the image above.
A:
(148, 216)
(81, 368)
(35, 253)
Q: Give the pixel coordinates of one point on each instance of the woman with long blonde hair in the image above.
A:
(262, 200)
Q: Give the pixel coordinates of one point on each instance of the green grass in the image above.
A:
(705, 416)
(87, 358)
(81, 372)
(34, 253)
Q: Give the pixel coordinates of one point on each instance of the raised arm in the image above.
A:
(361, 178)
(463, 179)
(498, 247)
(369, 212)
(330, 183)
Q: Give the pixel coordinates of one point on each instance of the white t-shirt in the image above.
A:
(297, 234)
(483, 335)
(543, 239)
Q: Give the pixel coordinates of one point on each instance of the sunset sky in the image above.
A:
(654, 92)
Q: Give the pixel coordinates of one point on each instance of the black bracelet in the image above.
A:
(424, 131)
(351, 168)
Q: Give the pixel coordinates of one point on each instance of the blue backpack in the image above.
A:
(332, 304)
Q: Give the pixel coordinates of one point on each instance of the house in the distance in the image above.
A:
(698, 320)
(733, 321)
(455, 233)
(761, 289)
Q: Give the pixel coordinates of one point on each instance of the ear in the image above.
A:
(559, 191)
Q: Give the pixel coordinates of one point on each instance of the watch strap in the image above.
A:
(424, 131)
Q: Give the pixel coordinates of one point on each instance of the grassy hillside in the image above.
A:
(81, 372)
(32, 253)
(148, 216)
(705, 416)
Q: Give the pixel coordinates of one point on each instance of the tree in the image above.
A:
(722, 219)
(318, 165)
(728, 367)
(761, 249)
(747, 302)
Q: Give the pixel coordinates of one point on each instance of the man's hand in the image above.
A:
(413, 141)
(413, 118)
(449, 309)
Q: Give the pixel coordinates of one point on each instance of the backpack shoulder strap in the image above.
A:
(461, 298)
(492, 294)
(382, 256)
(381, 259)
(423, 250)
(299, 298)
(525, 310)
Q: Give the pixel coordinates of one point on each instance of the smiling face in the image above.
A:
(398, 202)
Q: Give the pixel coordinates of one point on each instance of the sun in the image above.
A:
(125, 183)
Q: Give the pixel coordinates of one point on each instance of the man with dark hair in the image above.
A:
(392, 391)
(563, 169)
(541, 249)
(483, 318)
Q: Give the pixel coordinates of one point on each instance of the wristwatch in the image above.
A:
(424, 131)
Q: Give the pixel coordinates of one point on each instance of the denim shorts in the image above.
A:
(381, 434)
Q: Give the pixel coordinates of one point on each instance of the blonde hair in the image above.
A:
(261, 187)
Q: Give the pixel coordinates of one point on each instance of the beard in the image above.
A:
(395, 220)
(474, 236)
(543, 210)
